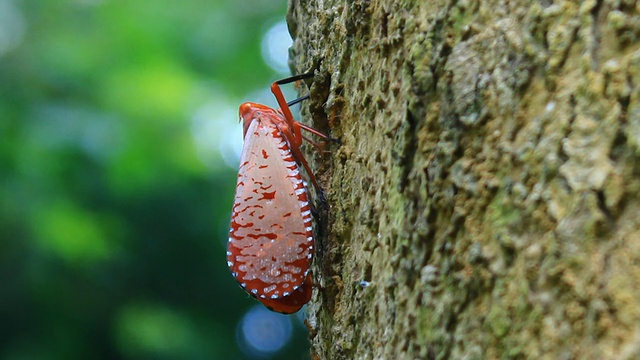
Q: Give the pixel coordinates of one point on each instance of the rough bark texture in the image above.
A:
(484, 201)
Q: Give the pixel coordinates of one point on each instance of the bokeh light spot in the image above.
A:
(12, 26)
(216, 134)
(147, 329)
(74, 234)
(275, 47)
(262, 332)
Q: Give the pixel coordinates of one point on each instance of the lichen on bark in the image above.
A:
(484, 196)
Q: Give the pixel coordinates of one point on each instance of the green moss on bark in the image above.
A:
(484, 197)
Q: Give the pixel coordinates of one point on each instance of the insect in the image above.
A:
(271, 242)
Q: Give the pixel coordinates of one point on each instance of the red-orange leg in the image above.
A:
(293, 130)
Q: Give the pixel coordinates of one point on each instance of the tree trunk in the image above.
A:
(484, 200)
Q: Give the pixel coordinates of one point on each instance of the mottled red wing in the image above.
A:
(271, 241)
(292, 303)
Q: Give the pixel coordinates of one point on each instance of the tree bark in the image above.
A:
(484, 200)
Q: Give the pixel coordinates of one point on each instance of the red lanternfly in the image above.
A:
(271, 241)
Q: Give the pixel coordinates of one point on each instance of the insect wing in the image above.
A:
(271, 241)
(292, 303)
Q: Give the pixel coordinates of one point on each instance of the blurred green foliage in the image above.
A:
(112, 223)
